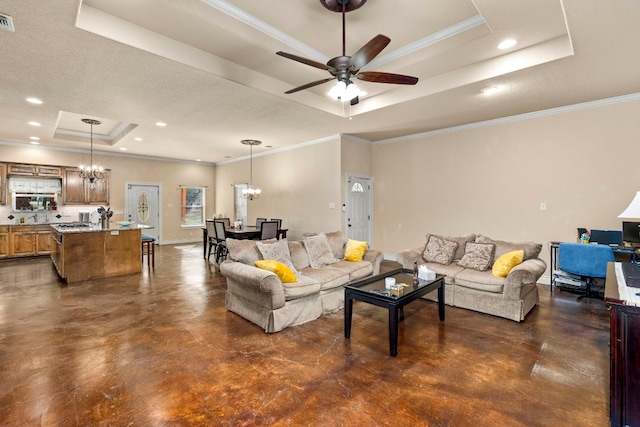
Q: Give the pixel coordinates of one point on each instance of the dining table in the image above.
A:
(247, 232)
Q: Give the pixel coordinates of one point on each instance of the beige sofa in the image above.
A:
(261, 297)
(475, 287)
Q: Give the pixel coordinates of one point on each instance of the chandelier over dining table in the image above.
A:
(251, 192)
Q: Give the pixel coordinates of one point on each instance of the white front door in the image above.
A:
(359, 206)
(143, 207)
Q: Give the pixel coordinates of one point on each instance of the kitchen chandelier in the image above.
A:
(251, 193)
(92, 172)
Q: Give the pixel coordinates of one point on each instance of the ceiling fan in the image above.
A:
(344, 67)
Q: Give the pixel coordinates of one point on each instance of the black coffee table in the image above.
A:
(373, 291)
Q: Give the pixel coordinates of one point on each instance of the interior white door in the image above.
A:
(359, 208)
(143, 207)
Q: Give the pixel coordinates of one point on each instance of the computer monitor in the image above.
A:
(606, 237)
(631, 232)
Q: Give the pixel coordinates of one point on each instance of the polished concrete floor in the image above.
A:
(160, 349)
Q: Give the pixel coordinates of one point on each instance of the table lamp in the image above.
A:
(633, 210)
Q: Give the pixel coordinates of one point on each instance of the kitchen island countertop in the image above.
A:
(91, 228)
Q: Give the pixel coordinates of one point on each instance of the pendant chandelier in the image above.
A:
(92, 172)
(251, 192)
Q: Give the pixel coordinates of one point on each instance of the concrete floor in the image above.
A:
(160, 349)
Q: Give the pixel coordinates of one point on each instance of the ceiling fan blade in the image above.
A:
(308, 85)
(378, 77)
(368, 51)
(303, 60)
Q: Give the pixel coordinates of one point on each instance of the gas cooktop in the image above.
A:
(73, 225)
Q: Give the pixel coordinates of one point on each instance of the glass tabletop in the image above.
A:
(403, 284)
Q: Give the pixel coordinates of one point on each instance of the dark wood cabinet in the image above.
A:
(3, 185)
(77, 191)
(625, 356)
(33, 170)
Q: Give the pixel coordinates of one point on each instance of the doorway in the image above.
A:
(142, 206)
(359, 208)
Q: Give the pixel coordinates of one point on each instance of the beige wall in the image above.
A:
(170, 175)
(297, 185)
(491, 180)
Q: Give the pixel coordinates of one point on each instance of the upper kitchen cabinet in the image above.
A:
(77, 191)
(33, 170)
(3, 185)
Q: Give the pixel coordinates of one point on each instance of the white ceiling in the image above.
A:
(208, 69)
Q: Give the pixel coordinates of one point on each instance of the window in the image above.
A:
(192, 206)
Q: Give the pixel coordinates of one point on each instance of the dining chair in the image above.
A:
(279, 222)
(221, 244)
(227, 222)
(588, 261)
(260, 221)
(211, 237)
(269, 230)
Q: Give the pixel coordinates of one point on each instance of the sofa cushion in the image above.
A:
(278, 250)
(439, 250)
(460, 240)
(319, 251)
(282, 271)
(327, 276)
(245, 251)
(481, 280)
(531, 249)
(354, 251)
(299, 256)
(506, 262)
(478, 256)
(303, 287)
(337, 243)
(448, 270)
(355, 270)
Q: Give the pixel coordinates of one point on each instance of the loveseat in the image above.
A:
(482, 274)
(320, 269)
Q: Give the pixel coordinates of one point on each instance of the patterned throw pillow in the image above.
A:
(478, 256)
(439, 250)
(278, 251)
(319, 251)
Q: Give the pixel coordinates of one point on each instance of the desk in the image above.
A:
(624, 381)
(249, 232)
(553, 249)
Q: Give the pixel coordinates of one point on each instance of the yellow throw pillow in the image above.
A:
(355, 250)
(281, 270)
(506, 262)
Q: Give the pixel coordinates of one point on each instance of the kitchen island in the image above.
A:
(85, 251)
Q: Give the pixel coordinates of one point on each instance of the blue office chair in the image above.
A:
(585, 260)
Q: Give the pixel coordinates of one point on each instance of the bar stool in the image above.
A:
(148, 244)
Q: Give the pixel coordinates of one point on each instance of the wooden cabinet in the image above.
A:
(27, 240)
(23, 241)
(4, 241)
(77, 191)
(33, 170)
(624, 381)
(3, 185)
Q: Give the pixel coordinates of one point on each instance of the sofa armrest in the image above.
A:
(375, 257)
(254, 280)
(407, 257)
(526, 273)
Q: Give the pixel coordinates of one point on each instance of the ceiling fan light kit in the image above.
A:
(343, 68)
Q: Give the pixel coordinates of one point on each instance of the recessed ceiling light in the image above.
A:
(489, 90)
(34, 138)
(198, 160)
(507, 43)
(161, 124)
(33, 100)
(268, 146)
(123, 148)
(35, 124)
(137, 139)
(34, 143)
